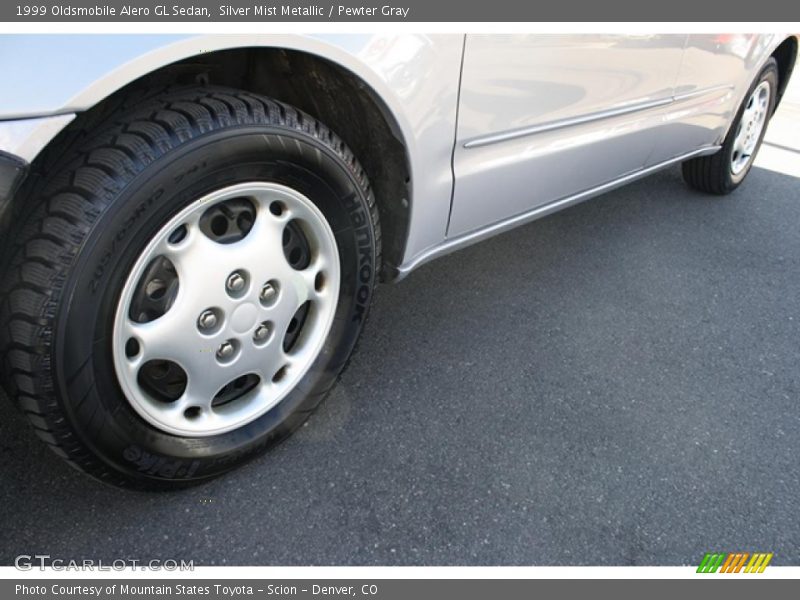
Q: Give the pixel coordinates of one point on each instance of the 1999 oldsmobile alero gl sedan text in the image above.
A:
(193, 226)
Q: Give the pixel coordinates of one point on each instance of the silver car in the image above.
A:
(193, 226)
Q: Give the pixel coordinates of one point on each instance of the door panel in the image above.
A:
(542, 117)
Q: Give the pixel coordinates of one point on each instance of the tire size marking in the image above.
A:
(99, 271)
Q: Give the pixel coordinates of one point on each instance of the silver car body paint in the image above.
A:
(499, 129)
(26, 138)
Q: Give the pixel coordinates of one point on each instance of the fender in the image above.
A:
(416, 77)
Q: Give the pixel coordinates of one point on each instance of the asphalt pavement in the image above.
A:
(614, 384)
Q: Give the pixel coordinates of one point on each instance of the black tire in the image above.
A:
(712, 174)
(86, 215)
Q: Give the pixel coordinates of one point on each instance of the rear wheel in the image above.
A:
(723, 172)
(191, 280)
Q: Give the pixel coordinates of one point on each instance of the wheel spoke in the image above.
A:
(266, 232)
(305, 279)
(750, 128)
(159, 339)
(201, 389)
(273, 360)
(739, 139)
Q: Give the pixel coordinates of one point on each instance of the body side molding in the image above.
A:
(475, 236)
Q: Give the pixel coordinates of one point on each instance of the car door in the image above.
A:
(715, 72)
(543, 117)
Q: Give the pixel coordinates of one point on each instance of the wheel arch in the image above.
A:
(321, 79)
(786, 56)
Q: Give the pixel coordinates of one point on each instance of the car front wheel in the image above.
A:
(187, 283)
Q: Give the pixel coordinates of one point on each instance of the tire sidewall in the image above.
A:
(83, 362)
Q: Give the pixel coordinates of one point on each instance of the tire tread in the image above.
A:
(66, 193)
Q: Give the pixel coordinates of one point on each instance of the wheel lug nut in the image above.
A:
(235, 282)
(225, 350)
(207, 320)
(261, 332)
(268, 293)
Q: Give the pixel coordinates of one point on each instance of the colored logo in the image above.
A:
(734, 562)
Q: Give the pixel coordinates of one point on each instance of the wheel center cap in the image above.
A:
(244, 318)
